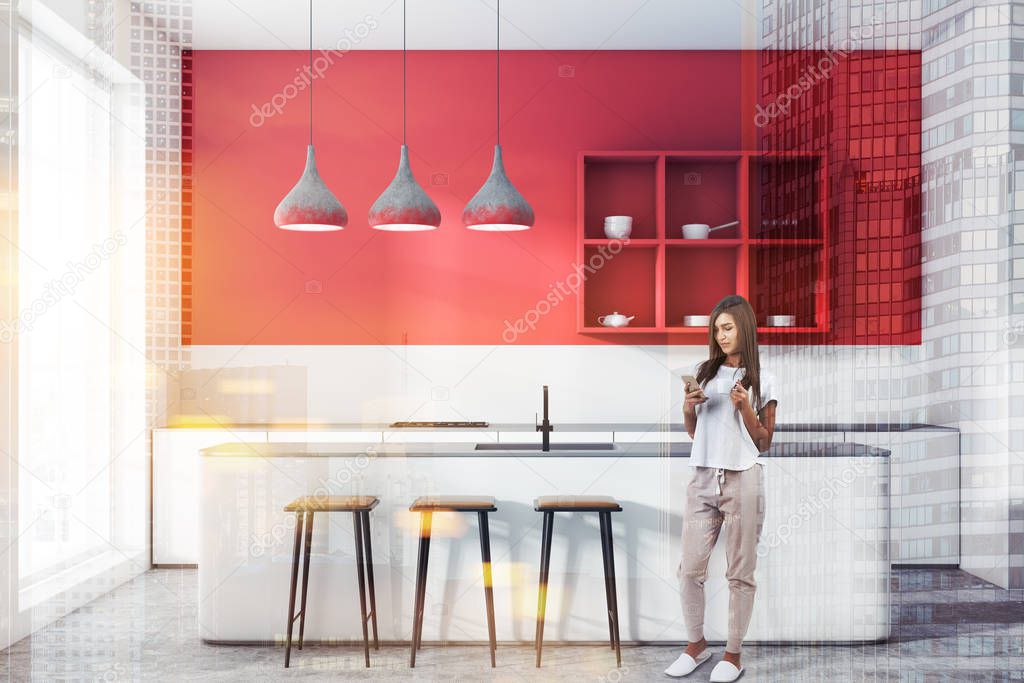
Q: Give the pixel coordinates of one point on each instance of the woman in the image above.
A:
(728, 432)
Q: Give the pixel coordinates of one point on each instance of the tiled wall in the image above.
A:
(161, 32)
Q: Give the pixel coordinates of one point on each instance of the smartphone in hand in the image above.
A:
(692, 385)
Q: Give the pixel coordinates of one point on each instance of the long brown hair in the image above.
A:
(746, 323)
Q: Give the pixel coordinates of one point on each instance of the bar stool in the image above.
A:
(304, 508)
(604, 506)
(426, 506)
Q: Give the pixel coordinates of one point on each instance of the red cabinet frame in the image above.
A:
(779, 264)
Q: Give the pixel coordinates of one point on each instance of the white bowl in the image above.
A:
(615, 231)
(696, 320)
(618, 219)
(781, 320)
(696, 231)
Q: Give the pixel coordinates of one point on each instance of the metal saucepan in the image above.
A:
(700, 231)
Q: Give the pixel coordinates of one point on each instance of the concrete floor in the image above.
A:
(948, 626)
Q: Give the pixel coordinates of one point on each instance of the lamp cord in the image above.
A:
(310, 73)
(498, 68)
(405, 96)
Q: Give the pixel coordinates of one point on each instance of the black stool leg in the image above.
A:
(426, 565)
(614, 606)
(357, 532)
(607, 591)
(305, 575)
(296, 545)
(485, 556)
(369, 577)
(542, 589)
(421, 584)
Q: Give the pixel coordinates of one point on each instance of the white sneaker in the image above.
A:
(686, 664)
(724, 672)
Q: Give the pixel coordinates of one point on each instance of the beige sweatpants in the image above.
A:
(717, 498)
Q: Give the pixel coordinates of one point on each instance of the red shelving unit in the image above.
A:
(777, 257)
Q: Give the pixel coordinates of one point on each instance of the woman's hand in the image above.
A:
(693, 399)
(739, 397)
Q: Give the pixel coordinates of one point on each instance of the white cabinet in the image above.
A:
(176, 488)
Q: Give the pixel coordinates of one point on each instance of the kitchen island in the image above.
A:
(823, 568)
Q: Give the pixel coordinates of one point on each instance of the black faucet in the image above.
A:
(545, 427)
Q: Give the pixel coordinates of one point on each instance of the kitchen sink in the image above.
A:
(539, 447)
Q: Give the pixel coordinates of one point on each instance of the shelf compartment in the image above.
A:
(623, 283)
(632, 244)
(786, 280)
(802, 242)
(601, 329)
(790, 330)
(702, 189)
(695, 280)
(786, 193)
(620, 186)
(711, 242)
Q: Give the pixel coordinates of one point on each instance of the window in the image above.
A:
(80, 331)
(1017, 119)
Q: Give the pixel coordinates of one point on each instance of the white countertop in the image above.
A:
(581, 427)
(464, 449)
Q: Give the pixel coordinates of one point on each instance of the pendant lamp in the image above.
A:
(404, 206)
(310, 206)
(498, 206)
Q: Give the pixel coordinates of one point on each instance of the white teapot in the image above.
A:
(615, 319)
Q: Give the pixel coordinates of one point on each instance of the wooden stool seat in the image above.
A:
(576, 504)
(332, 503)
(453, 504)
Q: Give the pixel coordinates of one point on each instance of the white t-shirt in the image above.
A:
(721, 439)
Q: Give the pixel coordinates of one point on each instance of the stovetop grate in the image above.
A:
(462, 424)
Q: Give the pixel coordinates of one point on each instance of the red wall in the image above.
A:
(251, 283)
